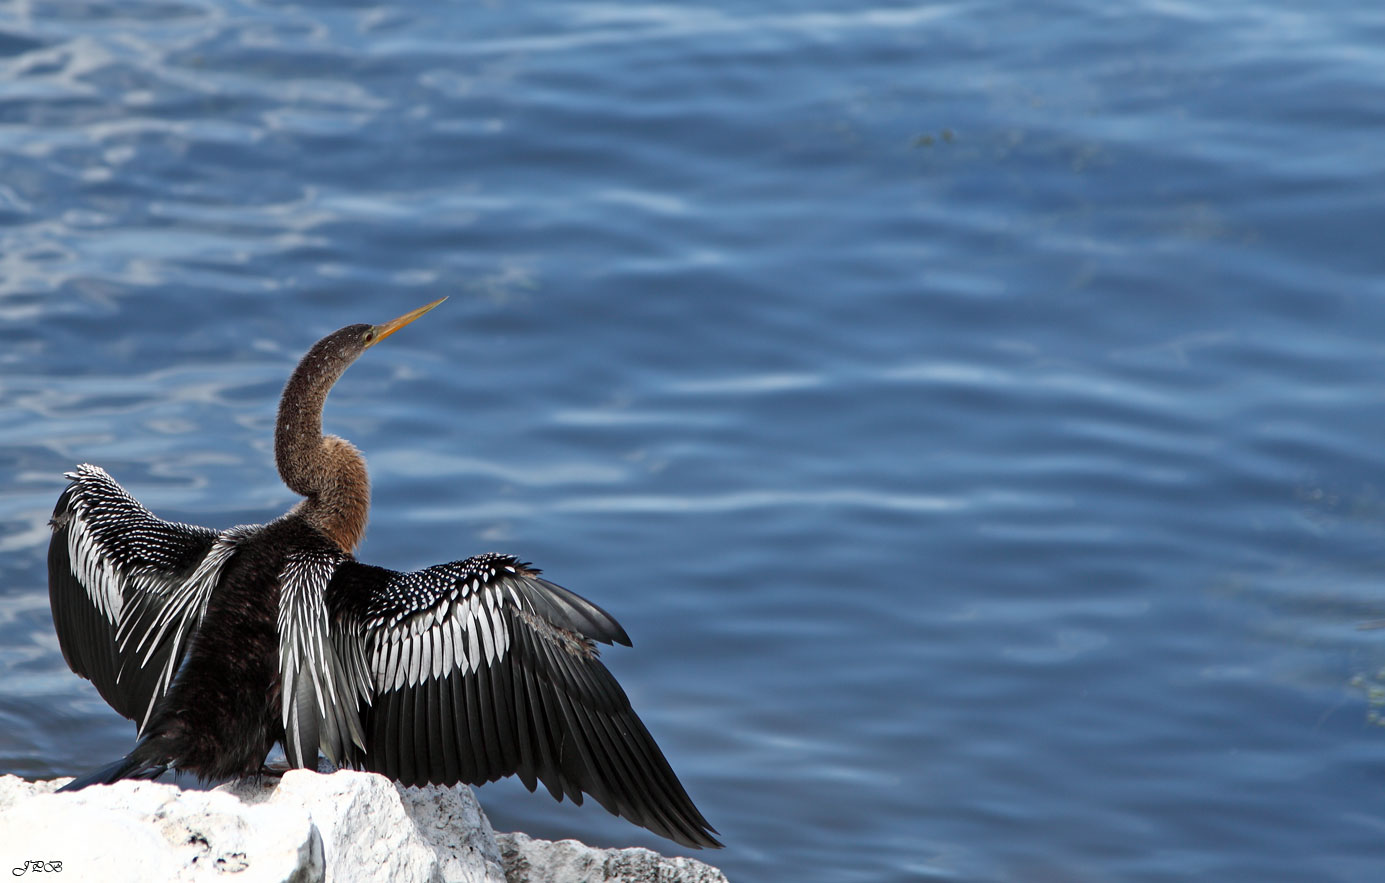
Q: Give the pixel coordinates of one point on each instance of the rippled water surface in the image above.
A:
(973, 411)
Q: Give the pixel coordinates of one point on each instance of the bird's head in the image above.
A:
(345, 345)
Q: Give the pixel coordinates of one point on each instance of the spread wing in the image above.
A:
(480, 669)
(127, 589)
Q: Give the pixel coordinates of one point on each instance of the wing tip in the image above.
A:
(704, 840)
(581, 615)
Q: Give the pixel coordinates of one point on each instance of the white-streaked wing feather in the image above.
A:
(480, 669)
(321, 689)
(128, 589)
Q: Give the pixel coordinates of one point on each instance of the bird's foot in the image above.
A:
(271, 773)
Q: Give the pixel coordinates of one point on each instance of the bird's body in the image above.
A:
(219, 644)
(221, 714)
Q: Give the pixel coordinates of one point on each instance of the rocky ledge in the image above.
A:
(343, 827)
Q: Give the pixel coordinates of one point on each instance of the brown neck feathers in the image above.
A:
(327, 470)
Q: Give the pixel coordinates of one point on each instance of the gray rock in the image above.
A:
(568, 861)
(346, 827)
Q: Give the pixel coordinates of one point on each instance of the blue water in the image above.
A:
(972, 411)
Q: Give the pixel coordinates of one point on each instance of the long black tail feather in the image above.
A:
(128, 767)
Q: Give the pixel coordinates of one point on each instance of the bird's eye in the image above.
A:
(370, 335)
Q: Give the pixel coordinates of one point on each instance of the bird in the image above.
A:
(220, 644)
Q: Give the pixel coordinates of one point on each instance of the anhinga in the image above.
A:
(218, 644)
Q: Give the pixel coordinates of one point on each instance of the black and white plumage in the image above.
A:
(127, 589)
(220, 644)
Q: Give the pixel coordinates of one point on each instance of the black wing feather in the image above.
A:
(407, 734)
(508, 681)
(388, 728)
(451, 766)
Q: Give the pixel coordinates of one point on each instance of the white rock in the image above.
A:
(346, 827)
(374, 829)
(568, 861)
(142, 831)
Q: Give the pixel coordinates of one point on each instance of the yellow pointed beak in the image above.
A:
(393, 325)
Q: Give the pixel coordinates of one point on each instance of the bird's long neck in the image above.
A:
(327, 470)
